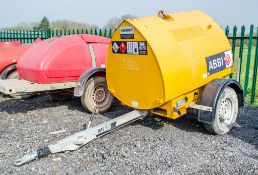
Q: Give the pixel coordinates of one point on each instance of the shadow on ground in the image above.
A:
(246, 128)
(12, 106)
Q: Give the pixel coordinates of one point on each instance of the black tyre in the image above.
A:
(225, 112)
(96, 95)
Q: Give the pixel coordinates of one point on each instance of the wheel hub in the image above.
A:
(99, 94)
(225, 112)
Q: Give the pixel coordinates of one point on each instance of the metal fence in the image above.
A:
(30, 36)
(27, 36)
(244, 42)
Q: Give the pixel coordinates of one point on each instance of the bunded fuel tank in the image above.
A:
(63, 59)
(153, 60)
(10, 52)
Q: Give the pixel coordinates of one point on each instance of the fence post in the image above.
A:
(234, 40)
(105, 33)
(11, 35)
(233, 44)
(250, 43)
(52, 33)
(1, 36)
(4, 36)
(14, 35)
(30, 36)
(241, 48)
(96, 32)
(255, 71)
(110, 33)
(35, 34)
(227, 31)
(7, 36)
(19, 35)
(40, 33)
(27, 36)
(48, 33)
(100, 32)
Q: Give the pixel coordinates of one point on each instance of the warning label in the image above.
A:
(127, 32)
(133, 48)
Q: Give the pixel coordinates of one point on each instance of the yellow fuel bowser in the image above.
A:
(169, 63)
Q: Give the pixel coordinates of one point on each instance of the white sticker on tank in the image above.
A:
(132, 48)
(127, 32)
(134, 104)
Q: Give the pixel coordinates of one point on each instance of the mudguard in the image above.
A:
(7, 71)
(211, 94)
(78, 90)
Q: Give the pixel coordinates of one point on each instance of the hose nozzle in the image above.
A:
(40, 153)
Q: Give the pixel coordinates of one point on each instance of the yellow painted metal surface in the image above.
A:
(174, 65)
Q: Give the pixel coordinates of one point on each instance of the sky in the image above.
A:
(225, 12)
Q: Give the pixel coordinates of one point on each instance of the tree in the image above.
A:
(115, 21)
(44, 25)
(22, 26)
(55, 25)
(69, 25)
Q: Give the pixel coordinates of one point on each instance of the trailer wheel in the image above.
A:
(226, 111)
(13, 75)
(10, 73)
(96, 94)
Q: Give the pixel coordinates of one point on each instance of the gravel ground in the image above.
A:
(144, 147)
